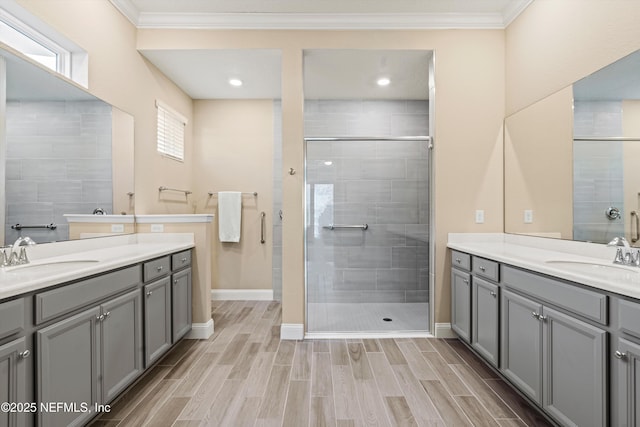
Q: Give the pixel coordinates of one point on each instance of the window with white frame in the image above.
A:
(33, 38)
(171, 126)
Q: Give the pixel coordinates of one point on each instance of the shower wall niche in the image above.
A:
(381, 183)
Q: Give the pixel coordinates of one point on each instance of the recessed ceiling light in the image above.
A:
(328, 163)
(235, 82)
(383, 81)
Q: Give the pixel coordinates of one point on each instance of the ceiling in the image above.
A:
(330, 74)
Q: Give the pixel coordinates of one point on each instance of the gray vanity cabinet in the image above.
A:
(89, 358)
(181, 303)
(556, 359)
(574, 370)
(521, 348)
(461, 303)
(14, 360)
(485, 319)
(157, 319)
(627, 354)
(122, 343)
(67, 367)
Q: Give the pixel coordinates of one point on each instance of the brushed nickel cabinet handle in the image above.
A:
(620, 355)
(24, 354)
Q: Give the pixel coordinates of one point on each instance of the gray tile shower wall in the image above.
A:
(381, 183)
(597, 170)
(58, 162)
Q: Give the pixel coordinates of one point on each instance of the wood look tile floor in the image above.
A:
(245, 376)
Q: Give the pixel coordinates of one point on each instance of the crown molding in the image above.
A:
(128, 10)
(319, 21)
(514, 10)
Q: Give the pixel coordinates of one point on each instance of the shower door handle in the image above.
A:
(636, 237)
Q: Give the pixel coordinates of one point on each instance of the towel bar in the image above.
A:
(255, 193)
(186, 192)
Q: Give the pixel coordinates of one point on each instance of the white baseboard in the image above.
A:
(242, 294)
(443, 330)
(291, 331)
(200, 331)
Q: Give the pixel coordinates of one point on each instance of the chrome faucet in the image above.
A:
(624, 254)
(16, 254)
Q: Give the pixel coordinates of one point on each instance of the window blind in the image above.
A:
(170, 132)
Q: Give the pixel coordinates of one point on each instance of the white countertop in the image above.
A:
(588, 263)
(55, 263)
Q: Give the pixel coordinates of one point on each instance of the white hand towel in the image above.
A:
(229, 215)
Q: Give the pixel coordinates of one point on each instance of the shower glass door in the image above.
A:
(367, 232)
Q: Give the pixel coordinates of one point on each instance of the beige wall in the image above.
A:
(554, 43)
(538, 167)
(469, 110)
(119, 75)
(233, 150)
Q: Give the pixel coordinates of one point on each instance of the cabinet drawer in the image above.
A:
(51, 304)
(485, 268)
(180, 260)
(574, 298)
(461, 260)
(11, 317)
(629, 317)
(157, 268)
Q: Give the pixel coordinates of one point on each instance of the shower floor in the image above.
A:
(368, 317)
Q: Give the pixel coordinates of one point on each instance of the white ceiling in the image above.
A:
(335, 74)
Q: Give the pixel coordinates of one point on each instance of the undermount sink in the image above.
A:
(52, 265)
(593, 266)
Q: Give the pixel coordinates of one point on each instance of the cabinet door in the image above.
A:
(181, 303)
(574, 370)
(121, 343)
(485, 319)
(157, 319)
(461, 303)
(628, 383)
(67, 368)
(14, 359)
(521, 349)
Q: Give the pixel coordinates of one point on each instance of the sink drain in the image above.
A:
(387, 319)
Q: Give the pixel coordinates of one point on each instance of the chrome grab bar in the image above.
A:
(637, 235)
(334, 226)
(262, 226)
(48, 226)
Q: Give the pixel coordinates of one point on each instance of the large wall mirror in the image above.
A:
(571, 159)
(64, 151)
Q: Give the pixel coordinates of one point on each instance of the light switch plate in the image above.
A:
(528, 216)
(117, 228)
(479, 216)
(157, 228)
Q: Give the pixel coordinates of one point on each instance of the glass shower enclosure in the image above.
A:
(367, 234)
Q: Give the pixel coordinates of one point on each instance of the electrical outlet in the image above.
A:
(157, 228)
(117, 228)
(528, 216)
(479, 216)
